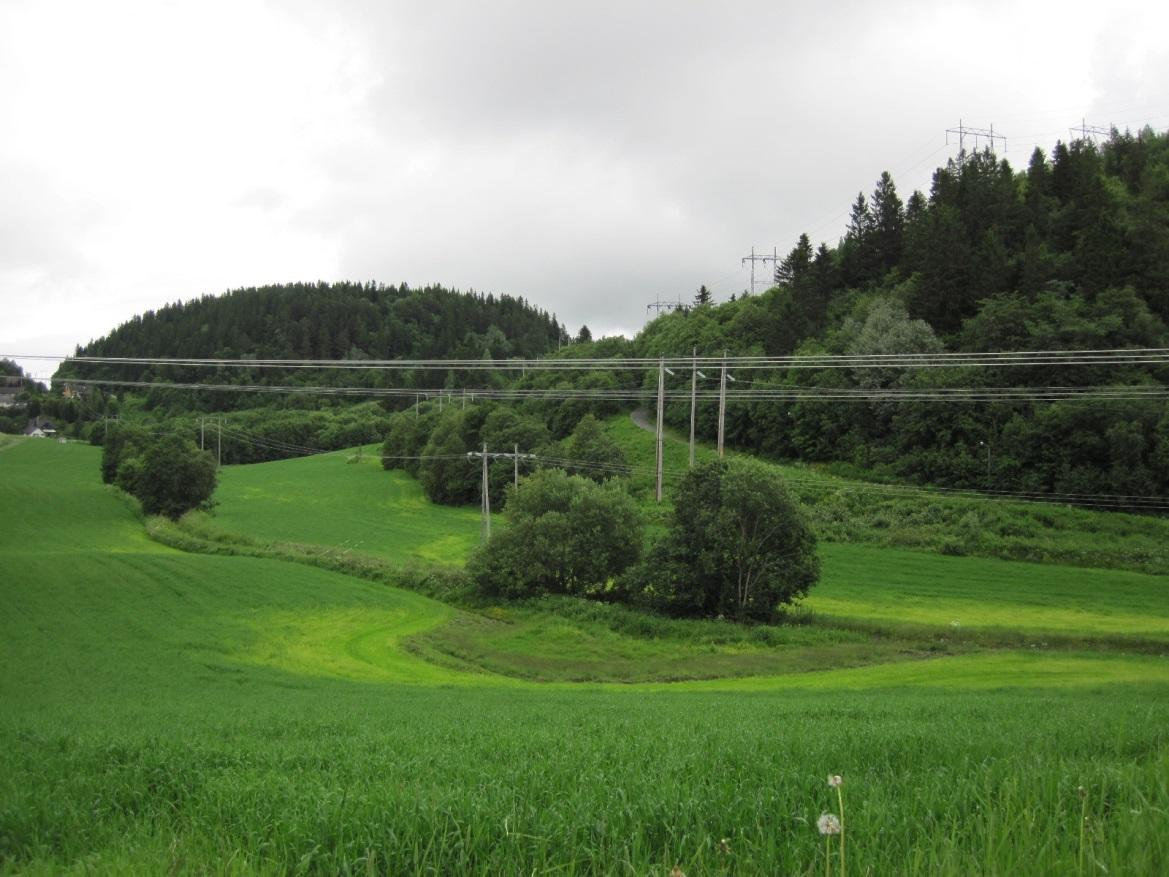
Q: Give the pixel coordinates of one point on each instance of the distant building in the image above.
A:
(40, 427)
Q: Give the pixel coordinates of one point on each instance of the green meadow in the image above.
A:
(356, 506)
(190, 713)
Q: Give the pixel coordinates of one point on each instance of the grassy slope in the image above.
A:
(894, 586)
(843, 510)
(182, 713)
(356, 506)
(362, 508)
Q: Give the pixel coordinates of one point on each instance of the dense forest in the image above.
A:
(338, 321)
(1070, 253)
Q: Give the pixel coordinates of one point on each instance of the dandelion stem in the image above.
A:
(1083, 825)
(840, 800)
(827, 855)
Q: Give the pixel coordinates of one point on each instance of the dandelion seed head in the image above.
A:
(834, 780)
(724, 847)
(828, 823)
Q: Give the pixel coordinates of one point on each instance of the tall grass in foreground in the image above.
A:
(289, 777)
(173, 713)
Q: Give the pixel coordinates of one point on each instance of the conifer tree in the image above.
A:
(887, 225)
(796, 264)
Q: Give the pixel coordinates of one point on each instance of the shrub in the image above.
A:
(566, 535)
(738, 546)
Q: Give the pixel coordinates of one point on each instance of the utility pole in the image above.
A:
(485, 505)
(486, 499)
(516, 460)
(693, 398)
(722, 405)
(964, 131)
(1089, 132)
(661, 412)
(219, 443)
(773, 258)
(660, 305)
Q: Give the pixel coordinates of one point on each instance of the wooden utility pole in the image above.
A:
(485, 504)
(486, 499)
(661, 413)
(722, 406)
(516, 459)
(693, 400)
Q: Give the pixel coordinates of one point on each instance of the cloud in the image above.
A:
(587, 156)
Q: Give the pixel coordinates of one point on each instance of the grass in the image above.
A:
(909, 598)
(861, 582)
(541, 644)
(325, 499)
(167, 712)
(851, 511)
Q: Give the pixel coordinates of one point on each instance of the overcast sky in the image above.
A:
(590, 157)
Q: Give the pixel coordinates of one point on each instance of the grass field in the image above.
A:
(357, 506)
(167, 712)
(889, 516)
(362, 509)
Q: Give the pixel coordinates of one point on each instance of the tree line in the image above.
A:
(321, 321)
(1071, 253)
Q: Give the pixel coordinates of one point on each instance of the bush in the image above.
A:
(592, 451)
(738, 546)
(566, 535)
(168, 474)
(447, 476)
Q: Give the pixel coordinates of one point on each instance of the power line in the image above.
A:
(1086, 500)
(964, 131)
(667, 306)
(1089, 132)
(773, 258)
(759, 392)
(1022, 358)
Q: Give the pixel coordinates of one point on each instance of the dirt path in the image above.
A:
(641, 417)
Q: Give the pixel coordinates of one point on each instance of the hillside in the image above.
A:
(1068, 255)
(338, 321)
(173, 712)
(1063, 262)
(361, 510)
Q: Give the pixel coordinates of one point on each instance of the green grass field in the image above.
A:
(167, 712)
(355, 506)
(361, 509)
(890, 516)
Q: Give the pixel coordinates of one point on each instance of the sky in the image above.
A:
(591, 157)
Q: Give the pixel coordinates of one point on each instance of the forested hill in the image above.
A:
(337, 321)
(1071, 253)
